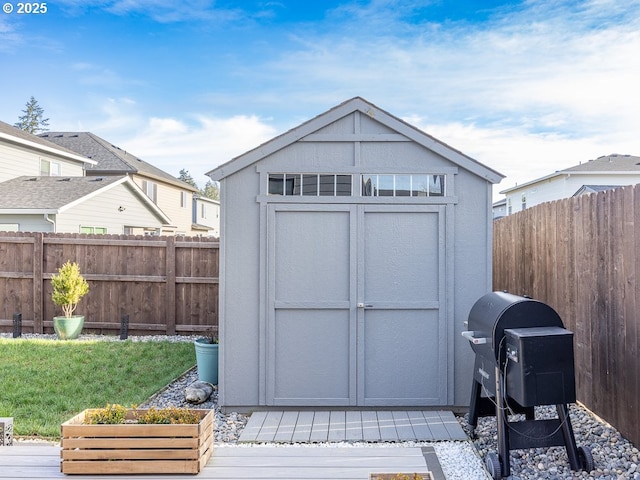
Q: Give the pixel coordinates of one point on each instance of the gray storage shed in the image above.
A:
(352, 249)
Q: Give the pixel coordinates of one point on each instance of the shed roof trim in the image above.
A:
(340, 111)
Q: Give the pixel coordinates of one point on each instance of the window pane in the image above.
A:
(436, 185)
(45, 168)
(276, 184)
(292, 185)
(403, 185)
(310, 185)
(86, 229)
(420, 186)
(368, 185)
(385, 185)
(327, 186)
(343, 185)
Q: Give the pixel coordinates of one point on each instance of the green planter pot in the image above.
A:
(207, 360)
(68, 328)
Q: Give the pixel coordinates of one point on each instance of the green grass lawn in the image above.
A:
(45, 382)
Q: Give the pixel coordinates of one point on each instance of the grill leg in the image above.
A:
(569, 439)
(503, 431)
(474, 406)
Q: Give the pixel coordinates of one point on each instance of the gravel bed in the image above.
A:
(615, 458)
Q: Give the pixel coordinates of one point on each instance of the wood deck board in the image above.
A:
(352, 426)
(238, 463)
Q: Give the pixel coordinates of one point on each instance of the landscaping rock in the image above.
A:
(198, 392)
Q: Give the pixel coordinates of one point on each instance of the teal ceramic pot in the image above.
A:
(207, 360)
(68, 328)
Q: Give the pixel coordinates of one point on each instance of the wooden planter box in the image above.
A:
(401, 476)
(136, 448)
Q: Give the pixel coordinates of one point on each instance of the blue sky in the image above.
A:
(525, 87)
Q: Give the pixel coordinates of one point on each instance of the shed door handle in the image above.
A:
(364, 305)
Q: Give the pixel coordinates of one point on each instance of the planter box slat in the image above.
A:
(133, 467)
(127, 442)
(122, 454)
(135, 448)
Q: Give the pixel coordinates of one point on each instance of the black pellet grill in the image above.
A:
(523, 352)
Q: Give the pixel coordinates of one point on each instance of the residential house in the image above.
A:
(98, 205)
(206, 215)
(22, 153)
(499, 208)
(610, 171)
(174, 197)
(352, 250)
(43, 188)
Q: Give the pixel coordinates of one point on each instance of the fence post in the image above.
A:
(38, 280)
(170, 313)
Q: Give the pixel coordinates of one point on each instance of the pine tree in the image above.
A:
(32, 121)
(211, 190)
(186, 177)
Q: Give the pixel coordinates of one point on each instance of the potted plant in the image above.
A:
(207, 358)
(68, 288)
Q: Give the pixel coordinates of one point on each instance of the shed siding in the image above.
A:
(239, 291)
(355, 143)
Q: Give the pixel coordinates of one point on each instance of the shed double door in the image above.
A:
(356, 314)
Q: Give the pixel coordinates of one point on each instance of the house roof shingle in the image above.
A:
(607, 164)
(110, 158)
(48, 193)
(23, 136)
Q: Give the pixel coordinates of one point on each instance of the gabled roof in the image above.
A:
(53, 195)
(111, 160)
(594, 189)
(340, 111)
(614, 164)
(14, 135)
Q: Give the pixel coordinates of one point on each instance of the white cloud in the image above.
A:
(172, 144)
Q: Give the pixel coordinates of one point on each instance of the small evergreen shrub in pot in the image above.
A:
(69, 286)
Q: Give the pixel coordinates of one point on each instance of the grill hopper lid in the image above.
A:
(497, 311)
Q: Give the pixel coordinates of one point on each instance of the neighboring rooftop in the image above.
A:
(49, 193)
(23, 137)
(111, 159)
(608, 163)
(614, 163)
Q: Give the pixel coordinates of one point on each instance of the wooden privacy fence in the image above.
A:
(582, 257)
(166, 285)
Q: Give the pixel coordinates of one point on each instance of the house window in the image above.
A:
(49, 168)
(151, 190)
(203, 211)
(183, 199)
(93, 230)
(509, 207)
(524, 201)
(310, 184)
(403, 185)
(9, 227)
